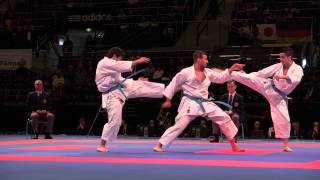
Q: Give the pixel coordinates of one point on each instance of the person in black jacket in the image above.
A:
(39, 104)
(236, 101)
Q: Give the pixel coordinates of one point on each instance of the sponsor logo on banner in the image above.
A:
(10, 59)
(74, 18)
(93, 17)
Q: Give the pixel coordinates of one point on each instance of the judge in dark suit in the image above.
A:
(236, 101)
(39, 105)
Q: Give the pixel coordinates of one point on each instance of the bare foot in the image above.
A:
(238, 150)
(235, 147)
(158, 148)
(287, 149)
(102, 149)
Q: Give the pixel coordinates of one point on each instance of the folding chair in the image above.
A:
(28, 124)
(30, 128)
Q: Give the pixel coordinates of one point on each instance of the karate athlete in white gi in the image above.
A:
(115, 90)
(285, 75)
(194, 82)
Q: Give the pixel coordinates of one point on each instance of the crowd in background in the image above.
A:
(70, 79)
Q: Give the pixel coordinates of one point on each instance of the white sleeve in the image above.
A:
(296, 75)
(118, 66)
(176, 82)
(219, 77)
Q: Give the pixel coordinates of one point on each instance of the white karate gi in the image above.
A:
(189, 109)
(260, 81)
(108, 74)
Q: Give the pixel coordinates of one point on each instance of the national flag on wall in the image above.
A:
(267, 31)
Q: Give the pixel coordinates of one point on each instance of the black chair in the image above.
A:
(29, 127)
(30, 131)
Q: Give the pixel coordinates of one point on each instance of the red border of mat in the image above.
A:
(155, 161)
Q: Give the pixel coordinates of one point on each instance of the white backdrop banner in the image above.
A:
(11, 58)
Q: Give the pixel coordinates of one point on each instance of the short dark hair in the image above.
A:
(116, 51)
(232, 81)
(198, 54)
(288, 51)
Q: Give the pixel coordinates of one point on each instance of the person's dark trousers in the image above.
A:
(48, 119)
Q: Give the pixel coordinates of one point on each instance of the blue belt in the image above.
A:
(282, 94)
(119, 86)
(201, 100)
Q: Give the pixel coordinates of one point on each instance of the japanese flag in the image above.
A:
(267, 31)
